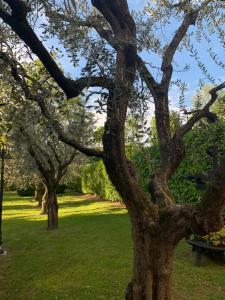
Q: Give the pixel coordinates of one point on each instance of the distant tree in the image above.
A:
(52, 161)
(44, 159)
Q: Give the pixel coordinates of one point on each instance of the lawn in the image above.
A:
(89, 257)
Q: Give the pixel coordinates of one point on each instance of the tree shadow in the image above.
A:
(19, 206)
(86, 249)
(77, 203)
(91, 249)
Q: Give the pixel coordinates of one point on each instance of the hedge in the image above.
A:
(184, 184)
(25, 192)
(94, 179)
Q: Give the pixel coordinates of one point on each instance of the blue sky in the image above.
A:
(190, 77)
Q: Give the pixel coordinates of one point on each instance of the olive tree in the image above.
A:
(37, 156)
(116, 67)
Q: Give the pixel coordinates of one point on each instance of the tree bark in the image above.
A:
(39, 191)
(52, 206)
(44, 209)
(152, 266)
(38, 197)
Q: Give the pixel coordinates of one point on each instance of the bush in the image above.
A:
(187, 184)
(94, 179)
(29, 191)
(60, 189)
(214, 238)
(75, 184)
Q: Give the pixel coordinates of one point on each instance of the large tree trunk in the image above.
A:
(152, 266)
(52, 206)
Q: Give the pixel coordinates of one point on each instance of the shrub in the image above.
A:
(94, 179)
(75, 184)
(24, 192)
(214, 238)
(60, 189)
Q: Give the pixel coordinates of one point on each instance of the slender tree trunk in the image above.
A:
(152, 267)
(39, 194)
(44, 208)
(52, 206)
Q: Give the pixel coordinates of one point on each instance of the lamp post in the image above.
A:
(2, 156)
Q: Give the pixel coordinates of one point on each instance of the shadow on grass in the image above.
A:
(88, 257)
(19, 206)
(87, 250)
(76, 203)
(13, 196)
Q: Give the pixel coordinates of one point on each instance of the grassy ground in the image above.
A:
(88, 258)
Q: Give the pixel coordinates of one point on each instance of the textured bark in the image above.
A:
(39, 192)
(52, 207)
(152, 266)
(44, 208)
(38, 197)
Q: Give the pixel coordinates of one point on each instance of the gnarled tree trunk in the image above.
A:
(152, 266)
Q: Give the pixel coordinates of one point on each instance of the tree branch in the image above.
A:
(20, 8)
(19, 76)
(5, 16)
(35, 150)
(19, 24)
(166, 66)
(57, 157)
(110, 38)
(68, 161)
(147, 76)
(173, 152)
(202, 113)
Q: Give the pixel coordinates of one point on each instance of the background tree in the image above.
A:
(52, 162)
(44, 158)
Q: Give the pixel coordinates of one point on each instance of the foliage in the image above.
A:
(145, 159)
(61, 188)
(213, 238)
(28, 128)
(190, 179)
(196, 170)
(94, 179)
(75, 184)
(3, 139)
(29, 191)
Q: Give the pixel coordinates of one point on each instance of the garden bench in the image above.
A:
(206, 248)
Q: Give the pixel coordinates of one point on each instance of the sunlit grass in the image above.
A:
(88, 257)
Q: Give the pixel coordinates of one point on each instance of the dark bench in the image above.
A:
(205, 248)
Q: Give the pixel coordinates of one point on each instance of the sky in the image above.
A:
(190, 77)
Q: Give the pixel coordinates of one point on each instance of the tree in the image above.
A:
(52, 162)
(43, 158)
(158, 224)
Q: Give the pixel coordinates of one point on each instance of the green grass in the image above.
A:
(89, 257)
